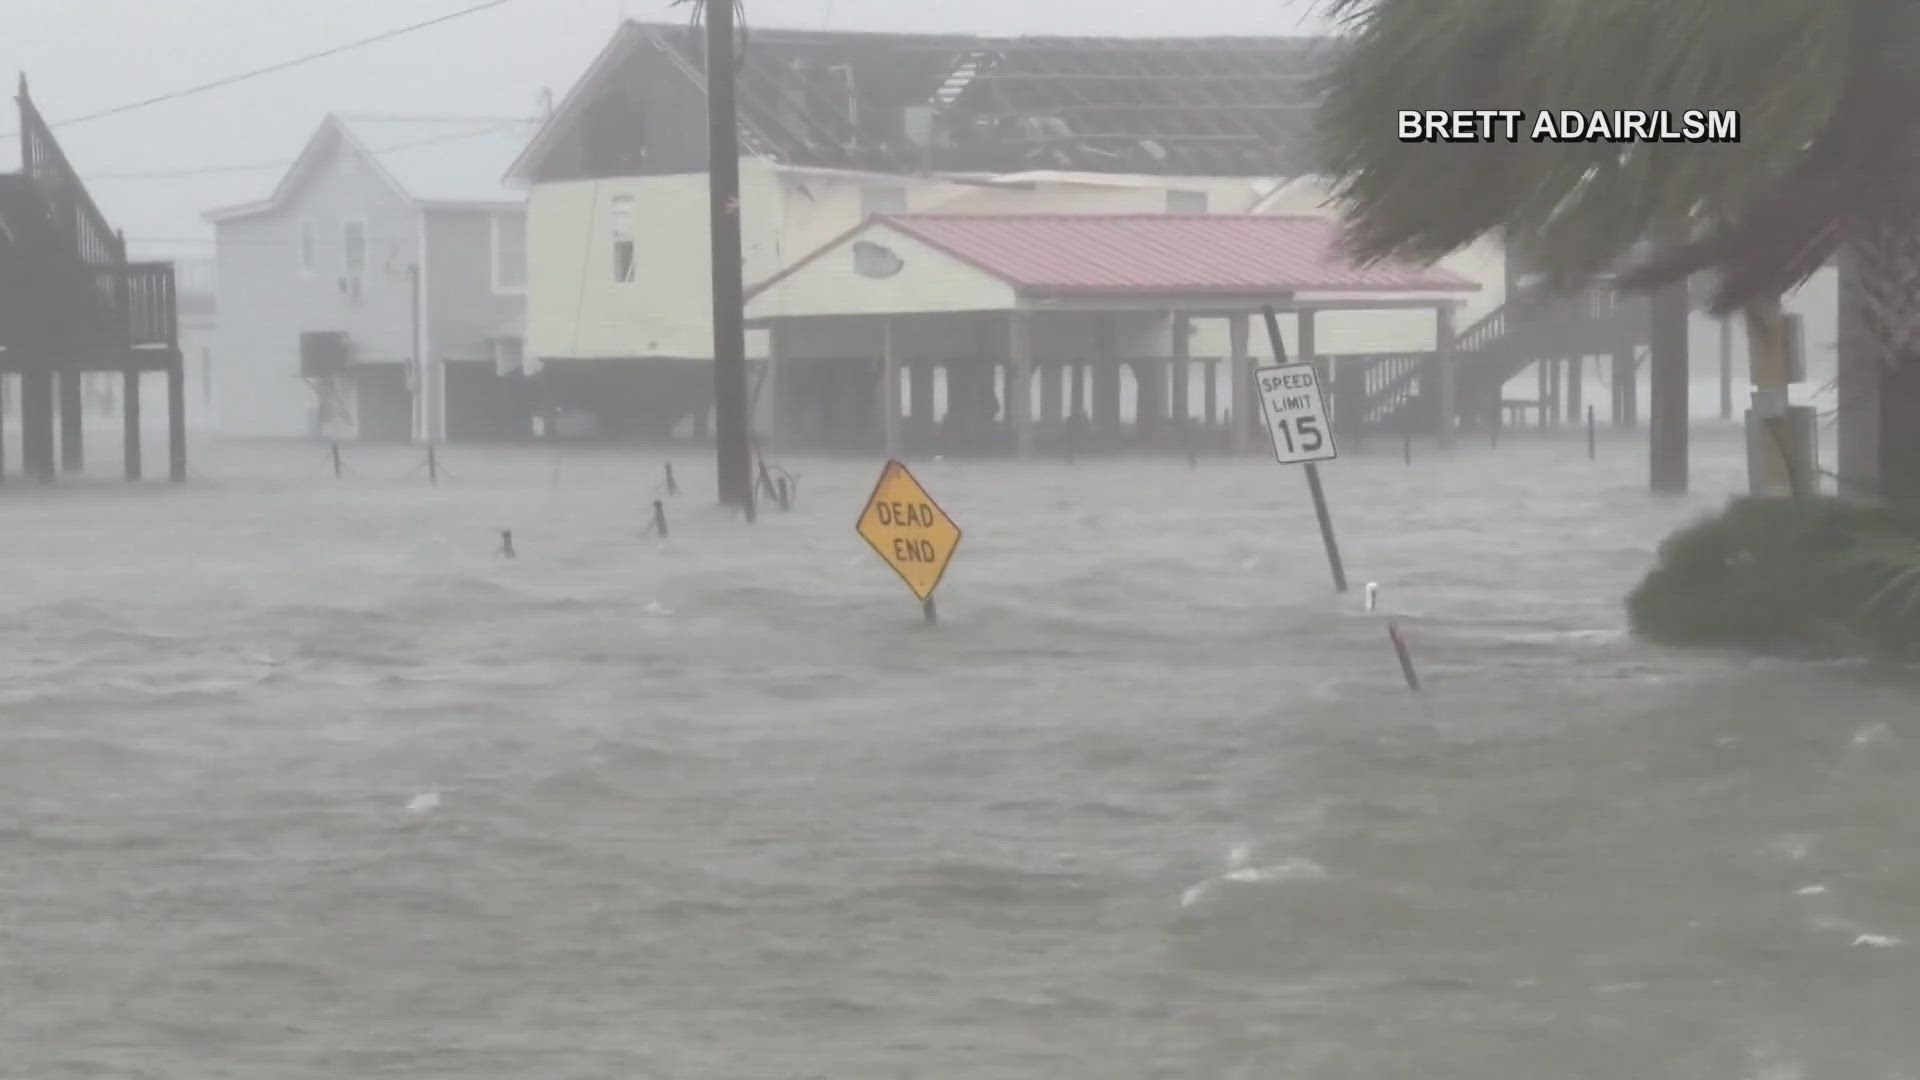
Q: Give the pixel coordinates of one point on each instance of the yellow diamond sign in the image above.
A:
(909, 530)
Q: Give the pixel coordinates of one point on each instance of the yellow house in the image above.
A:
(836, 127)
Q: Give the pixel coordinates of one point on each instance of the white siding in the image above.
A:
(266, 301)
(929, 281)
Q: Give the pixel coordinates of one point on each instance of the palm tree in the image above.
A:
(1829, 152)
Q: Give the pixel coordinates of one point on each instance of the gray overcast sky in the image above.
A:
(81, 56)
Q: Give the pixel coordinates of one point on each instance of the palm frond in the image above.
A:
(1584, 205)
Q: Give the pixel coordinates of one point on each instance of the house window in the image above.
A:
(883, 199)
(623, 238)
(353, 242)
(309, 248)
(509, 253)
(1186, 202)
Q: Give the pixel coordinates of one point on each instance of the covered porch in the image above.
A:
(1045, 334)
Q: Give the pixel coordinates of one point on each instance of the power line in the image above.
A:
(170, 174)
(282, 66)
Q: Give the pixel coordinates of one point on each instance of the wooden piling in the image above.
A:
(73, 439)
(433, 466)
(130, 423)
(1406, 658)
(177, 421)
(660, 519)
(36, 424)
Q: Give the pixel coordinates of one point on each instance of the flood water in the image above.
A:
(302, 780)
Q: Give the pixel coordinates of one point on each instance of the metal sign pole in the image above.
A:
(1313, 473)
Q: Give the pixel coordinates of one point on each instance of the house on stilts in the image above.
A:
(72, 306)
(865, 150)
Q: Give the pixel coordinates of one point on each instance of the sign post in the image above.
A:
(1296, 418)
(905, 527)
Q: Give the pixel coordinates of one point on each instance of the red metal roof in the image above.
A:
(1166, 254)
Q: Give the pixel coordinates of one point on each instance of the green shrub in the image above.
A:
(1818, 575)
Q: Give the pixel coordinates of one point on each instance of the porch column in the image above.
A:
(1857, 389)
(1052, 374)
(1670, 378)
(1150, 396)
(177, 419)
(1444, 360)
(73, 436)
(36, 424)
(1020, 381)
(1077, 404)
(1626, 389)
(1556, 368)
(889, 395)
(1240, 393)
(130, 422)
(1303, 329)
(1182, 373)
(1210, 390)
(1105, 377)
(920, 398)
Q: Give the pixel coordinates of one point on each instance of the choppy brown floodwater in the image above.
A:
(722, 808)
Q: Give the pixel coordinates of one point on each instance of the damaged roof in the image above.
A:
(907, 103)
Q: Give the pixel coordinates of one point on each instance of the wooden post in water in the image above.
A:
(1406, 658)
(338, 470)
(673, 486)
(433, 466)
(1592, 452)
(660, 519)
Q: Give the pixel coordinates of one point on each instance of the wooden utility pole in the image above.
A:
(733, 454)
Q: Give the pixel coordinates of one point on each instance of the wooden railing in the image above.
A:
(1388, 381)
(70, 209)
(147, 301)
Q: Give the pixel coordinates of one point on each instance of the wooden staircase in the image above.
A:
(1398, 392)
(72, 303)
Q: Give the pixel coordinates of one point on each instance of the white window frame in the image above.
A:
(613, 227)
(494, 222)
(346, 266)
(308, 245)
